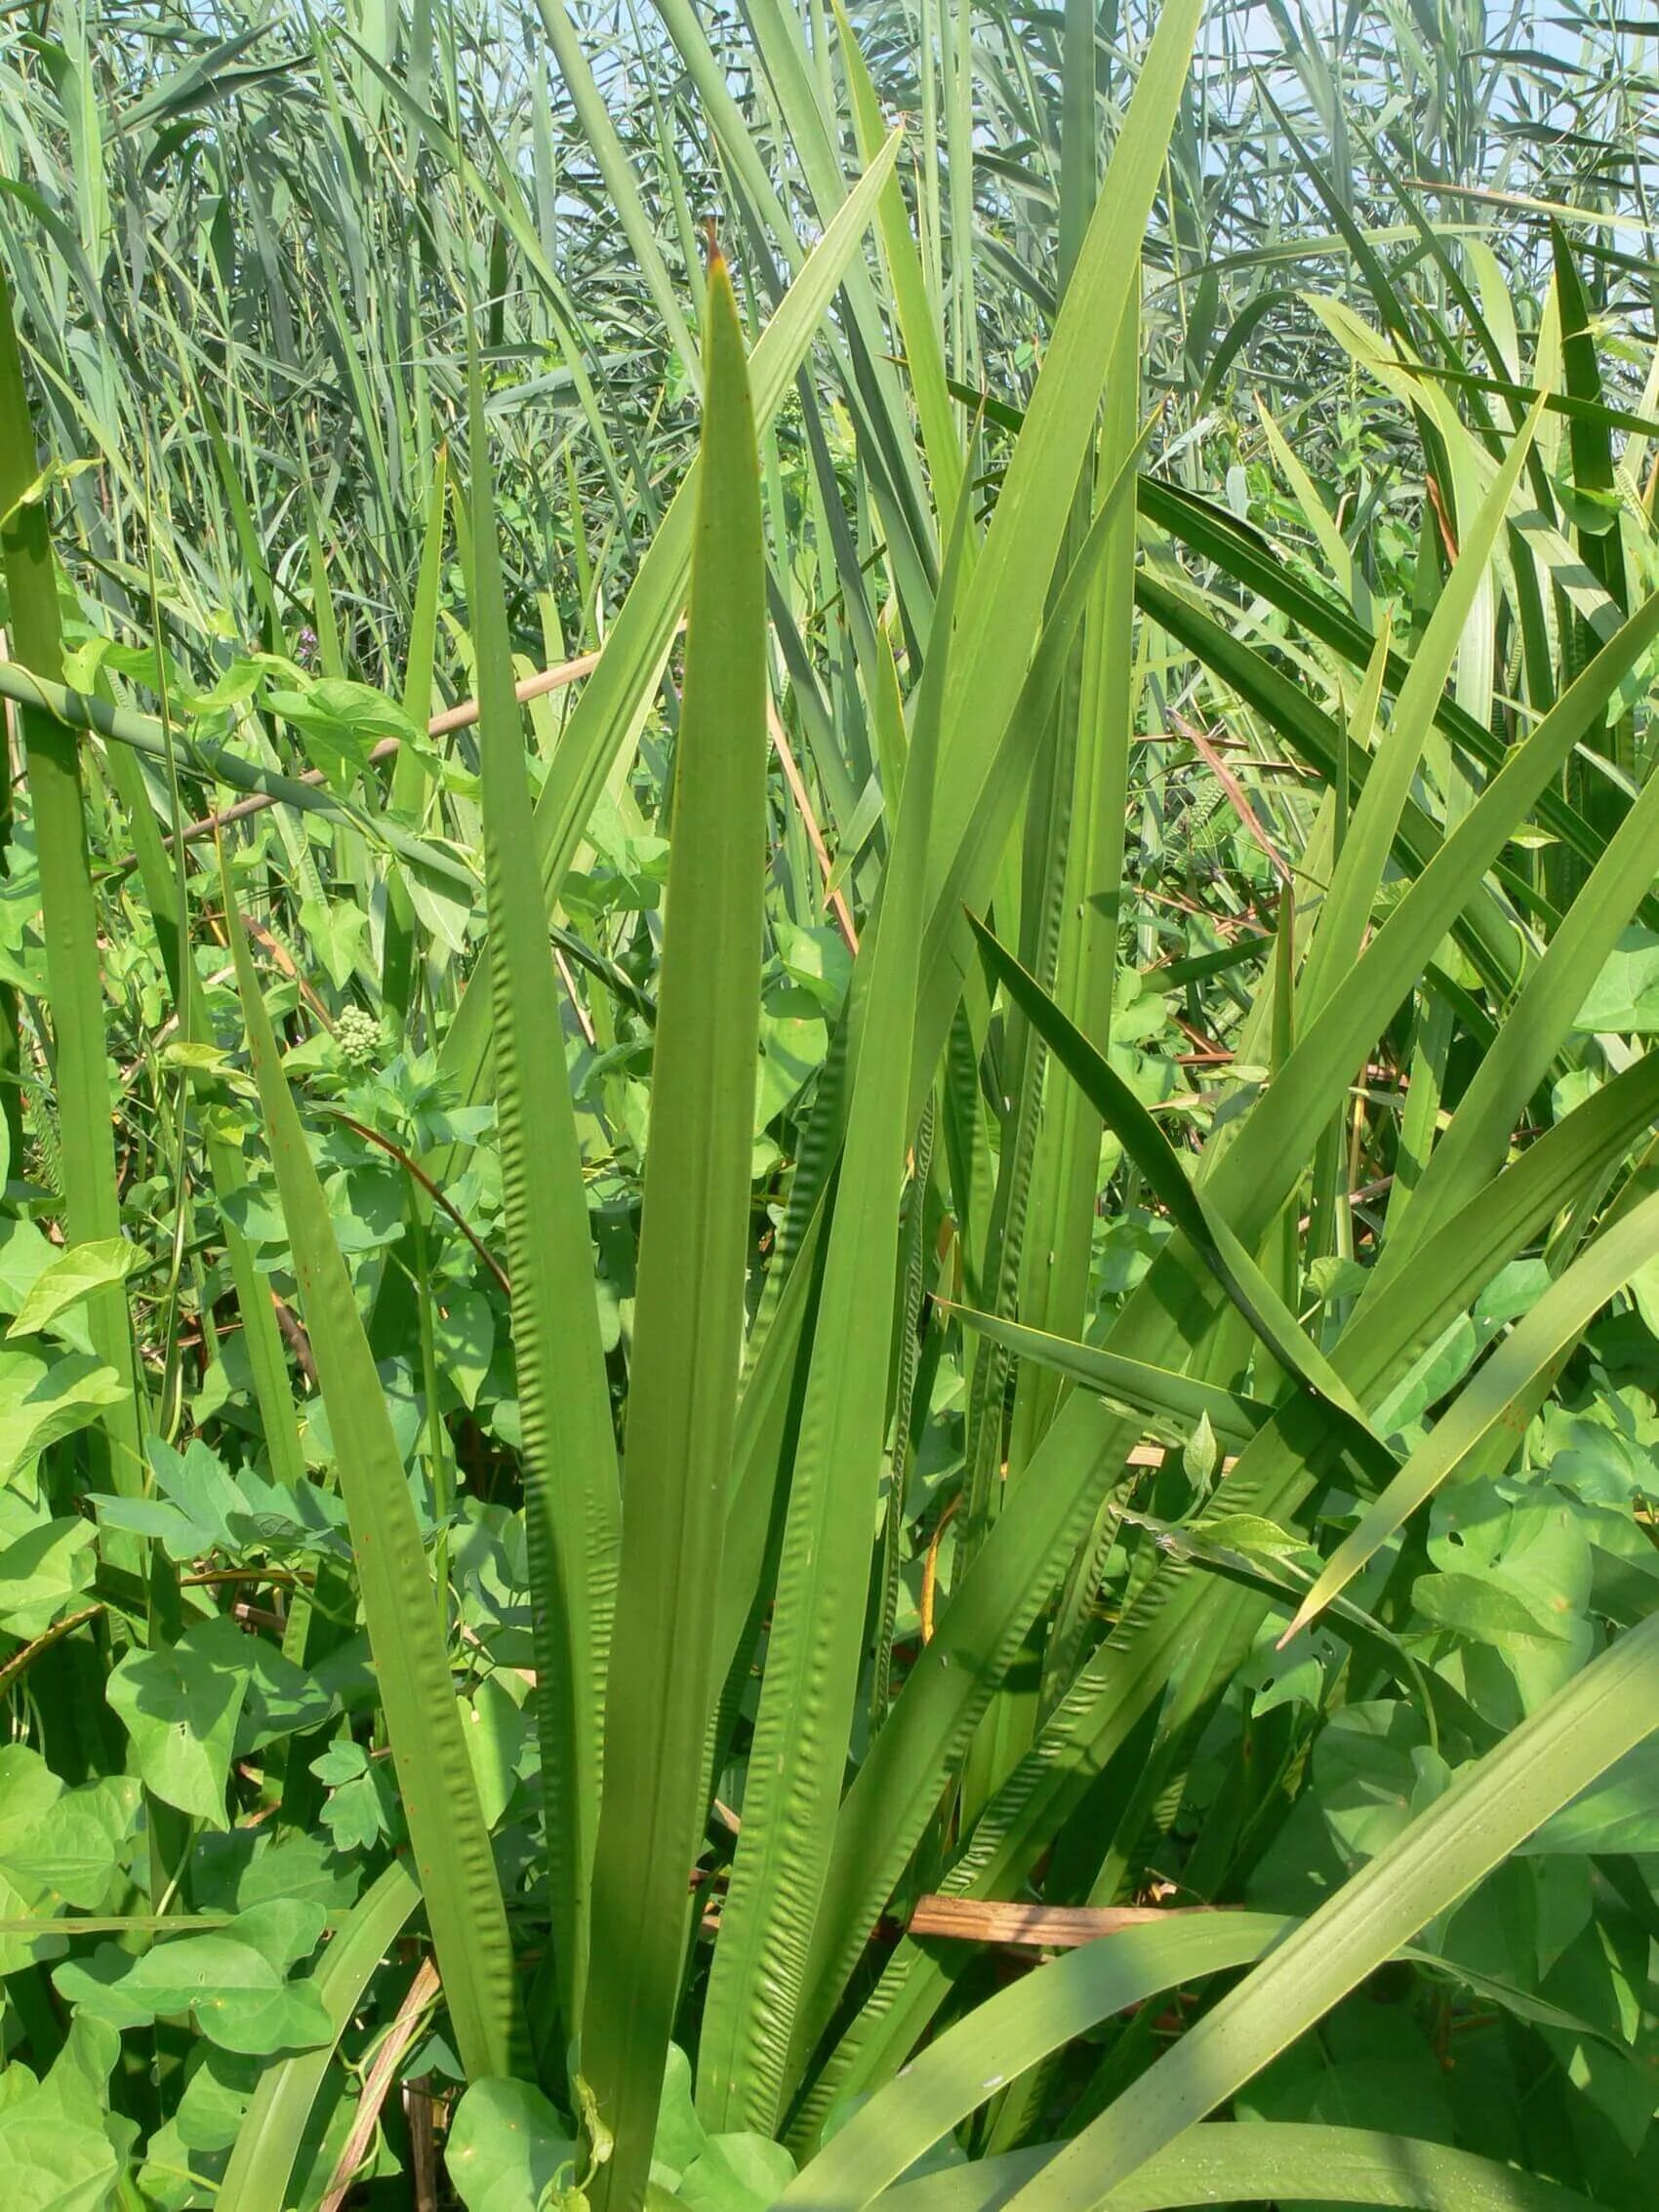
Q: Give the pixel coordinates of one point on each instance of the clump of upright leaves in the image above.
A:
(1159, 524)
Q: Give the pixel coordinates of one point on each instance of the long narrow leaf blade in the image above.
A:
(1011, 2032)
(1231, 2162)
(1491, 1807)
(269, 2141)
(807, 1696)
(453, 1856)
(689, 1308)
(573, 1518)
(1530, 1349)
(631, 663)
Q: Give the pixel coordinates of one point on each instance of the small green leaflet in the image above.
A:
(181, 1703)
(43, 1572)
(44, 1399)
(343, 723)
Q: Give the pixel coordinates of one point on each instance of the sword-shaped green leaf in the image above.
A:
(1531, 1350)
(1491, 1808)
(571, 1506)
(616, 694)
(808, 1693)
(74, 988)
(453, 1858)
(1230, 2162)
(689, 1306)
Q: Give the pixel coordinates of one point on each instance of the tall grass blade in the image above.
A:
(1490, 1808)
(260, 2174)
(573, 1520)
(689, 1311)
(1533, 1348)
(451, 1844)
(810, 1686)
(52, 749)
(616, 696)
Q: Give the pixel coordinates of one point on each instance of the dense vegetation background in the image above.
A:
(865, 1408)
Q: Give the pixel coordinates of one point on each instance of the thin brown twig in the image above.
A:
(584, 1020)
(814, 836)
(1361, 1196)
(1183, 905)
(290, 967)
(22, 1661)
(396, 1152)
(930, 1568)
(402, 2034)
(1044, 1927)
(539, 686)
(460, 717)
(209, 1578)
(1235, 796)
(418, 2110)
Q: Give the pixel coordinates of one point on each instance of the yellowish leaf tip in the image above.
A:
(1302, 1617)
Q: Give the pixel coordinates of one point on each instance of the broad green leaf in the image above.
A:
(1486, 1609)
(740, 2172)
(77, 1274)
(439, 867)
(57, 1847)
(45, 1573)
(235, 1982)
(42, 1399)
(1618, 1813)
(282, 1698)
(57, 2147)
(507, 2147)
(24, 1256)
(1624, 998)
(342, 722)
(180, 1702)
